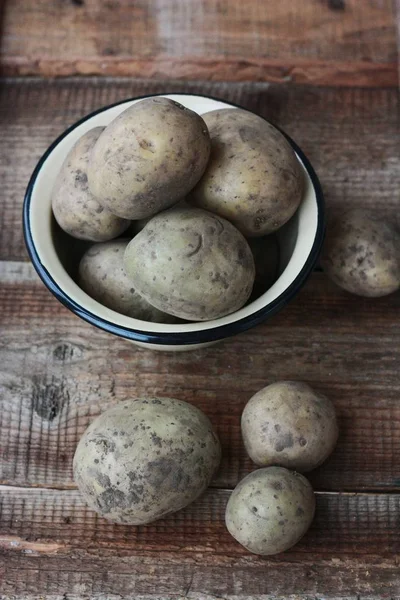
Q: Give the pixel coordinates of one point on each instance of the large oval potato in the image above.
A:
(290, 425)
(145, 458)
(191, 264)
(270, 510)
(148, 158)
(74, 207)
(361, 254)
(253, 177)
(102, 276)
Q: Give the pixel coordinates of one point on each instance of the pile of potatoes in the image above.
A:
(194, 203)
(143, 459)
(287, 429)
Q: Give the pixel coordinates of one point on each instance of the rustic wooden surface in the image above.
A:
(326, 71)
(328, 42)
(64, 381)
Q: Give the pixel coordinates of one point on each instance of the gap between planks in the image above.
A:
(384, 491)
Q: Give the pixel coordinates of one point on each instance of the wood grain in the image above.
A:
(191, 551)
(58, 521)
(96, 577)
(348, 134)
(57, 373)
(325, 42)
(192, 596)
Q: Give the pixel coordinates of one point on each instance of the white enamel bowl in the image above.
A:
(300, 243)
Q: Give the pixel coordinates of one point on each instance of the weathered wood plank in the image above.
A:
(178, 596)
(348, 134)
(191, 596)
(57, 373)
(319, 41)
(351, 548)
(129, 577)
(51, 522)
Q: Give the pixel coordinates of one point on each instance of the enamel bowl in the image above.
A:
(300, 242)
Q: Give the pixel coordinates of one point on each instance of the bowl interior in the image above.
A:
(59, 254)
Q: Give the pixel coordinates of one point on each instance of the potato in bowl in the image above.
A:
(299, 241)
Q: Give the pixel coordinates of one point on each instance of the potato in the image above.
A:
(191, 264)
(290, 425)
(270, 510)
(145, 458)
(362, 254)
(266, 259)
(74, 207)
(141, 223)
(148, 158)
(102, 276)
(253, 178)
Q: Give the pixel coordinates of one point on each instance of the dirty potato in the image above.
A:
(102, 276)
(270, 510)
(253, 177)
(148, 158)
(288, 424)
(145, 458)
(191, 264)
(362, 254)
(74, 207)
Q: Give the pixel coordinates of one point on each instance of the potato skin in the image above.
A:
(74, 207)
(191, 264)
(148, 158)
(253, 177)
(145, 458)
(288, 424)
(270, 510)
(362, 254)
(102, 276)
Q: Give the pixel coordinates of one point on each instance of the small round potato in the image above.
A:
(362, 254)
(270, 510)
(253, 177)
(191, 264)
(148, 158)
(75, 209)
(145, 458)
(288, 424)
(102, 276)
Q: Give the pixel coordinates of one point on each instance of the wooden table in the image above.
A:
(326, 71)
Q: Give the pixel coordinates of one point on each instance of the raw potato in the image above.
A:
(74, 207)
(270, 510)
(362, 254)
(253, 177)
(141, 223)
(102, 276)
(148, 158)
(145, 458)
(191, 264)
(290, 425)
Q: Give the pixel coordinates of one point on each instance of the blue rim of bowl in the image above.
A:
(179, 337)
